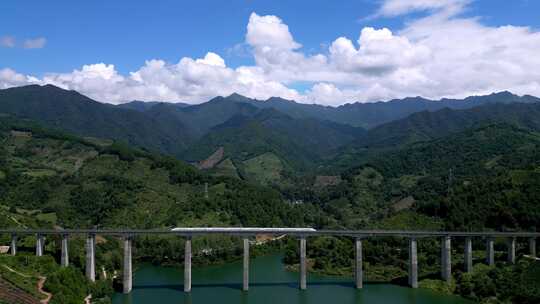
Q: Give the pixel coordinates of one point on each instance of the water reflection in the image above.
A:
(270, 284)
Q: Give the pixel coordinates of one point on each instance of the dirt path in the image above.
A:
(48, 295)
(15, 271)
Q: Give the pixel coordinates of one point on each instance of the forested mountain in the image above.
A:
(369, 115)
(492, 169)
(140, 106)
(87, 183)
(275, 133)
(195, 132)
(200, 119)
(81, 115)
(428, 125)
(366, 115)
(296, 144)
(486, 177)
(424, 126)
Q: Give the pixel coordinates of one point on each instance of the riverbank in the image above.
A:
(500, 283)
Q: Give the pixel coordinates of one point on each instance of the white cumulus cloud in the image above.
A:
(9, 78)
(441, 54)
(379, 52)
(269, 32)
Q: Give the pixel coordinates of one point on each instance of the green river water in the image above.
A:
(269, 283)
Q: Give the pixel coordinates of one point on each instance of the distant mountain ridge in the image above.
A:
(370, 115)
(74, 112)
(299, 135)
(426, 126)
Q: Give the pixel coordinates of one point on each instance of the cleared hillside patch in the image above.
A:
(265, 168)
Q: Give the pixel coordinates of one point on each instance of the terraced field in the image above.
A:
(11, 294)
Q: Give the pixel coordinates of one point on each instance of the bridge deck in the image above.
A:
(271, 231)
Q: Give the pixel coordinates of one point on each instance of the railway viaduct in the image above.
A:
(301, 233)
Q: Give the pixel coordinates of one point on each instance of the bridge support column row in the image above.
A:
(303, 267)
(91, 257)
(413, 263)
(532, 247)
(511, 250)
(64, 258)
(358, 273)
(245, 279)
(40, 242)
(446, 259)
(490, 252)
(468, 260)
(14, 244)
(127, 270)
(187, 265)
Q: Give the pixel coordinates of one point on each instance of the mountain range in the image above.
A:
(293, 136)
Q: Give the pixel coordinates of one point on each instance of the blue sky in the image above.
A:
(128, 33)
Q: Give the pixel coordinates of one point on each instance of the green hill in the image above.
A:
(76, 183)
(298, 143)
(430, 125)
(201, 118)
(78, 114)
(425, 126)
(480, 178)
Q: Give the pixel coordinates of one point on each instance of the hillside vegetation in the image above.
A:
(272, 163)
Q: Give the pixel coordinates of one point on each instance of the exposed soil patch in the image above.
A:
(212, 160)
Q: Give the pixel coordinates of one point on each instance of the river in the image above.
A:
(269, 283)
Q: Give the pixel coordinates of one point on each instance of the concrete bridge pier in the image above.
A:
(91, 257)
(127, 275)
(446, 259)
(40, 242)
(187, 265)
(245, 279)
(490, 252)
(303, 267)
(532, 247)
(468, 261)
(358, 274)
(413, 263)
(511, 250)
(64, 258)
(13, 244)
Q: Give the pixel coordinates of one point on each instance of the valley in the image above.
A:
(234, 161)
